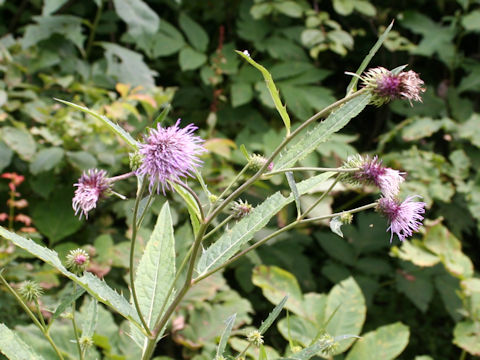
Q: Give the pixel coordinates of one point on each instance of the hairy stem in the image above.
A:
(218, 227)
(306, 212)
(322, 169)
(195, 196)
(74, 324)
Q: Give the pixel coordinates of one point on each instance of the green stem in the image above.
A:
(39, 312)
(318, 200)
(93, 29)
(132, 258)
(243, 352)
(323, 169)
(463, 355)
(32, 316)
(219, 226)
(149, 201)
(276, 233)
(232, 183)
(74, 324)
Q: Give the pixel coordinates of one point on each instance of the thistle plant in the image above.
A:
(167, 156)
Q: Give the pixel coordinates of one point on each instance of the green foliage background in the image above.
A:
(129, 60)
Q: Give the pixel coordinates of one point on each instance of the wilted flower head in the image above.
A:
(405, 218)
(241, 209)
(169, 154)
(30, 290)
(92, 185)
(77, 260)
(387, 85)
(373, 172)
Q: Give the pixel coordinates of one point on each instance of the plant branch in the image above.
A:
(322, 169)
(195, 196)
(219, 226)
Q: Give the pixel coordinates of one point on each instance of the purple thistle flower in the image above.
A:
(404, 218)
(92, 185)
(388, 180)
(387, 86)
(169, 154)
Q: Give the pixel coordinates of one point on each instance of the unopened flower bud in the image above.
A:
(135, 160)
(77, 260)
(255, 338)
(296, 349)
(85, 342)
(329, 343)
(241, 209)
(346, 218)
(257, 161)
(212, 198)
(30, 290)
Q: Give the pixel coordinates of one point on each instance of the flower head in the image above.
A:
(387, 85)
(241, 209)
(373, 172)
(169, 154)
(92, 185)
(255, 337)
(30, 290)
(405, 218)
(77, 260)
(257, 161)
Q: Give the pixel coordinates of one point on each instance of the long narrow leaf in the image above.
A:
(90, 323)
(225, 335)
(282, 110)
(65, 302)
(293, 187)
(353, 83)
(15, 348)
(92, 284)
(314, 349)
(272, 316)
(114, 127)
(321, 132)
(242, 232)
(156, 272)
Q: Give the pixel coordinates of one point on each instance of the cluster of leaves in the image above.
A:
(110, 55)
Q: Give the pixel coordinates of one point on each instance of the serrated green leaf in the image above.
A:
(114, 127)
(156, 272)
(272, 316)
(282, 110)
(15, 348)
(225, 335)
(92, 284)
(242, 232)
(66, 301)
(353, 83)
(321, 132)
(46, 160)
(385, 343)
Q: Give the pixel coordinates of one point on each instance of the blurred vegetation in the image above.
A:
(130, 60)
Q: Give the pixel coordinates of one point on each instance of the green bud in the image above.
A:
(255, 338)
(135, 160)
(241, 209)
(30, 290)
(346, 218)
(257, 161)
(77, 261)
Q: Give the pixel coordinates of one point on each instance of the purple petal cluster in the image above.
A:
(387, 86)
(404, 217)
(169, 154)
(92, 185)
(388, 180)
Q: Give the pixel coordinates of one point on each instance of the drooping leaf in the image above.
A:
(15, 348)
(385, 343)
(92, 284)
(156, 271)
(321, 132)
(225, 335)
(114, 127)
(282, 110)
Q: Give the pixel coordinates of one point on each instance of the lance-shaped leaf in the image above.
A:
(114, 127)
(242, 232)
(225, 335)
(155, 272)
(316, 348)
(321, 132)
(272, 316)
(90, 323)
(15, 348)
(66, 302)
(192, 206)
(353, 83)
(92, 284)
(293, 187)
(282, 110)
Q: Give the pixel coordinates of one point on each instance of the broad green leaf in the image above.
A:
(353, 83)
(114, 127)
(46, 160)
(167, 41)
(466, 335)
(321, 132)
(282, 110)
(66, 302)
(90, 323)
(225, 335)
(343, 7)
(20, 141)
(416, 253)
(276, 284)
(232, 241)
(92, 284)
(241, 93)
(253, 352)
(138, 16)
(192, 206)
(195, 33)
(263, 353)
(386, 343)
(5, 155)
(347, 301)
(156, 271)
(419, 289)
(81, 159)
(191, 59)
(298, 330)
(15, 348)
(450, 292)
(471, 21)
(289, 8)
(50, 6)
(272, 316)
